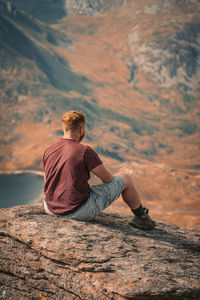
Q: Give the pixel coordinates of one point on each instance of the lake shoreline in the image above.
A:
(36, 172)
(14, 190)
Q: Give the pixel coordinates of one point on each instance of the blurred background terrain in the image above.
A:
(133, 67)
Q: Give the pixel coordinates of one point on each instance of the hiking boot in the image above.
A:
(143, 221)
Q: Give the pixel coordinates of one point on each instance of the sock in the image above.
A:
(138, 211)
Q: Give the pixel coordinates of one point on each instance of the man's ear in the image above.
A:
(80, 129)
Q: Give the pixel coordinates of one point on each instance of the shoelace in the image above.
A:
(146, 210)
(145, 213)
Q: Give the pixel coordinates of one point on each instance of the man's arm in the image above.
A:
(103, 173)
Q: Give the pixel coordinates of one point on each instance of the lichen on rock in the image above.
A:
(46, 257)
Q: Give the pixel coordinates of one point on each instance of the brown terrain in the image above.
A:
(133, 68)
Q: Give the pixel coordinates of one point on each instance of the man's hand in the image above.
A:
(103, 173)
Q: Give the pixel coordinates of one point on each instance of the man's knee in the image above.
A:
(126, 178)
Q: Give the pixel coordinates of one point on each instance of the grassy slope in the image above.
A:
(107, 66)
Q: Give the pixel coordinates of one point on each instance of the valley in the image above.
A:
(133, 68)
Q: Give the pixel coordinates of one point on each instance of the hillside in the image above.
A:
(132, 67)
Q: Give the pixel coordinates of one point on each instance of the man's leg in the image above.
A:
(130, 194)
(131, 197)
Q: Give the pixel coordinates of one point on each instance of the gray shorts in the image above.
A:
(101, 196)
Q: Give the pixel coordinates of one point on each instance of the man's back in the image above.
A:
(67, 165)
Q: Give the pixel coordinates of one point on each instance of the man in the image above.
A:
(67, 165)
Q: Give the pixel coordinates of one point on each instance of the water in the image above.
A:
(19, 189)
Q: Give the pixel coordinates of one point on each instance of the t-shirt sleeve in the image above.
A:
(92, 159)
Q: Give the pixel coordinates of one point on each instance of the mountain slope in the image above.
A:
(132, 67)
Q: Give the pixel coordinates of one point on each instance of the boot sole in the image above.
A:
(142, 226)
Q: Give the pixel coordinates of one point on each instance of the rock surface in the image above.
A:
(45, 257)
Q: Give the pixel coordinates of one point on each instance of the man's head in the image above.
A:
(73, 122)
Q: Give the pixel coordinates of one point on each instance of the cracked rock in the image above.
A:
(46, 257)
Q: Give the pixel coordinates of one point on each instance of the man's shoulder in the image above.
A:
(77, 146)
(54, 143)
(86, 147)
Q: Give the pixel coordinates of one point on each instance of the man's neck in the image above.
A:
(68, 136)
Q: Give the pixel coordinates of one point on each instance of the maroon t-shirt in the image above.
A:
(67, 165)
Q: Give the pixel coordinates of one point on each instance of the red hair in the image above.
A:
(72, 120)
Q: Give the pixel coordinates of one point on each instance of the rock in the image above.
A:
(91, 8)
(46, 257)
(51, 11)
(178, 64)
